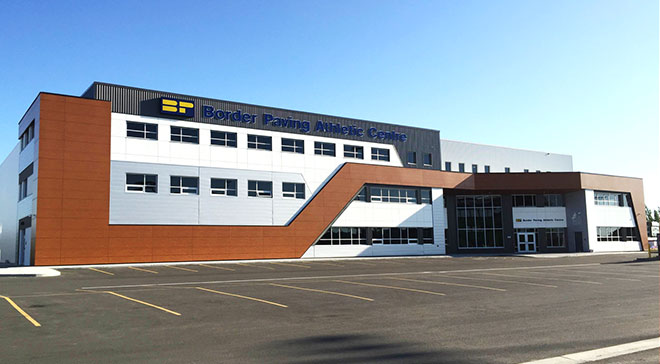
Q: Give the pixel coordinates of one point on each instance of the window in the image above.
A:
(262, 189)
(353, 151)
(524, 200)
(224, 187)
(554, 238)
(180, 185)
(185, 135)
(293, 190)
(380, 154)
(507, 170)
(321, 148)
(23, 190)
(141, 130)
(448, 166)
(344, 236)
(395, 236)
(474, 168)
(412, 158)
(428, 160)
(397, 195)
(461, 167)
(526, 170)
(479, 221)
(27, 135)
(487, 169)
(425, 195)
(553, 200)
(293, 145)
(427, 236)
(260, 142)
(362, 195)
(141, 183)
(611, 199)
(223, 138)
(612, 233)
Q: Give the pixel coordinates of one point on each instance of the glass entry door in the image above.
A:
(526, 242)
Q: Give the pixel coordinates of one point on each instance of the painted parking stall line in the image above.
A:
(143, 302)
(181, 268)
(143, 270)
(21, 311)
(101, 271)
(542, 278)
(291, 265)
(254, 266)
(216, 267)
(503, 281)
(323, 291)
(391, 287)
(565, 273)
(241, 296)
(602, 353)
(450, 284)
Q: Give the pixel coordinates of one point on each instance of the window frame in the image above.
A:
(298, 191)
(293, 147)
(380, 154)
(143, 186)
(181, 136)
(414, 158)
(184, 189)
(260, 142)
(226, 190)
(225, 141)
(430, 160)
(325, 149)
(353, 151)
(146, 133)
(259, 189)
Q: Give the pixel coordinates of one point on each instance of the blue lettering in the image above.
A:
(267, 118)
(305, 126)
(360, 132)
(219, 114)
(208, 111)
(403, 137)
(372, 132)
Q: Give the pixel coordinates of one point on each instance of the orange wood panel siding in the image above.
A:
(74, 186)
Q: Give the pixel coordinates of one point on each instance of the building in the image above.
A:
(123, 175)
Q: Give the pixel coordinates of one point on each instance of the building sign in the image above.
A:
(539, 217)
(304, 126)
(177, 107)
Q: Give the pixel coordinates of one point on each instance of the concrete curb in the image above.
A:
(28, 272)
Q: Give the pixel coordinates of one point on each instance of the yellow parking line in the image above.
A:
(504, 281)
(20, 310)
(326, 263)
(254, 266)
(450, 284)
(392, 287)
(214, 267)
(143, 270)
(181, 268)
(544, 278)
(290, 264)
(322, 291)
(101, 271)
(244, 297)
(142, 302)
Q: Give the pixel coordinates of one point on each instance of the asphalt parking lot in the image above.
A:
(418, 310)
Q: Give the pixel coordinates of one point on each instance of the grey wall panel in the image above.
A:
(576, 220)
(202, 209)
(136, 101)
(8, 212)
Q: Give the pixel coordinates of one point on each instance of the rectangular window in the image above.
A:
(428, 159)
(260, 142)
(353, 151)
(614, 233)
(507, 170)
(610, 199)
(27, 135)
(427, 236)
(362, 195)
(526, 170)
(479, 221)
(141, 183)
(344, 236)
(524, 200)
(22, 189)
(180, 185)
(552, 200)
(380, 154)
(461, 167)
(224, 187)
(263, 189)
(185, 135)
(425, 195)
(293, 145)
(412, 158)
(396, 236)
(141, 130)
(474, 168)
(487, 169)
(396, 195)
(555, 238)
(448, 166)
(321, 148)
(223, 138)
(293, 190)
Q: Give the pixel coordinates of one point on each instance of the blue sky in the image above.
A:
(573, 77)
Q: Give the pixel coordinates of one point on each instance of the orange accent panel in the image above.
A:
(74, 188)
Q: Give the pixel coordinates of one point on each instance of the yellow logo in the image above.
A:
(177, 107)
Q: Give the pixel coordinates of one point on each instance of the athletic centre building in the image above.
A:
(125, 175)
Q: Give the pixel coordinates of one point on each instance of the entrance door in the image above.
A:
(24, 248)
(526, 242)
